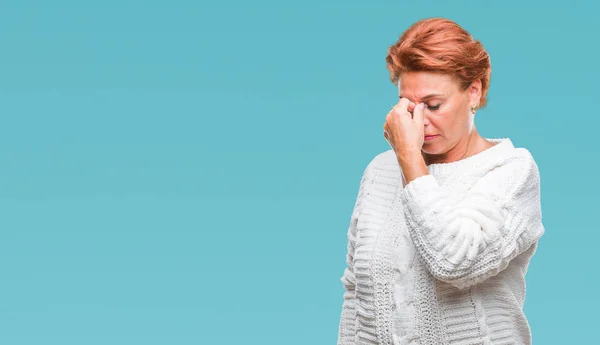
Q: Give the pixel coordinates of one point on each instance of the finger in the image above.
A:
(403, 104)
(418, 115)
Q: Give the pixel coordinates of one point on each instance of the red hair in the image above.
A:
(441, 45)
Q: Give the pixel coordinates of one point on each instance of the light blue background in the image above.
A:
(181, 172)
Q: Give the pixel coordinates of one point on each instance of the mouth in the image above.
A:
(431, 137)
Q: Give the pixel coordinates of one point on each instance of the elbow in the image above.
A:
(456, 282)
(348, 280)
(465, 277)
(456, 279)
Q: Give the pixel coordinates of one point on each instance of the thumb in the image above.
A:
(418, 114)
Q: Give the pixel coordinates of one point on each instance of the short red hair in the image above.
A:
(441, 45)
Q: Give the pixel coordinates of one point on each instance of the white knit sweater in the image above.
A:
(442, 260)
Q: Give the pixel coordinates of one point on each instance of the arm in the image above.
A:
(465, 241)
(347, 325)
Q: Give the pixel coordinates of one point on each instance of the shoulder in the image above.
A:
(527, 173)
(512, 173)
(520, 163)
(383, 160)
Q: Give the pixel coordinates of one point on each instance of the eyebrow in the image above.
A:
(433, 95)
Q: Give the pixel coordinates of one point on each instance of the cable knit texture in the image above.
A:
(442, 260)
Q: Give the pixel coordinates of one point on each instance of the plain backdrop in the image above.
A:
(183, 172)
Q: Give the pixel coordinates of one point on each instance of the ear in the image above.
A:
(474, 92)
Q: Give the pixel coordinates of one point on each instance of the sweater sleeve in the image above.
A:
(347, 325)
(465, 240)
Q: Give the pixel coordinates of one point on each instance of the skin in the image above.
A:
(448, 114)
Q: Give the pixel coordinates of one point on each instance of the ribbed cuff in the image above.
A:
(418, 191)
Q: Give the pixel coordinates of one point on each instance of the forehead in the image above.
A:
(415, 85)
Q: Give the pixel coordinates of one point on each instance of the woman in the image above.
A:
(441, 258)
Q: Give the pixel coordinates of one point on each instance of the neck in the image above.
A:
(466, 146)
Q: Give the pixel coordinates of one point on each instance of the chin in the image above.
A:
(432, 149)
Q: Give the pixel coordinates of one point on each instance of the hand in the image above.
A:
(404, 129)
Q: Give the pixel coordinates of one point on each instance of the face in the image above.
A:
(447, 112)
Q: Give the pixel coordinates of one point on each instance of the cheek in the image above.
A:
(447, 121)
(439, 121)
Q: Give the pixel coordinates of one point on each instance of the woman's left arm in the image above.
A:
(466, 241)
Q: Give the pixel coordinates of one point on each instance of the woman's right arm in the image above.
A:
(347, 325)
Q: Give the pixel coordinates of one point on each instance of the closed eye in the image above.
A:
(436, 107)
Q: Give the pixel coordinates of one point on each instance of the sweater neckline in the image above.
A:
(502, 145)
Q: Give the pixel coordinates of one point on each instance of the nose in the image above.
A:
(425, 120)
